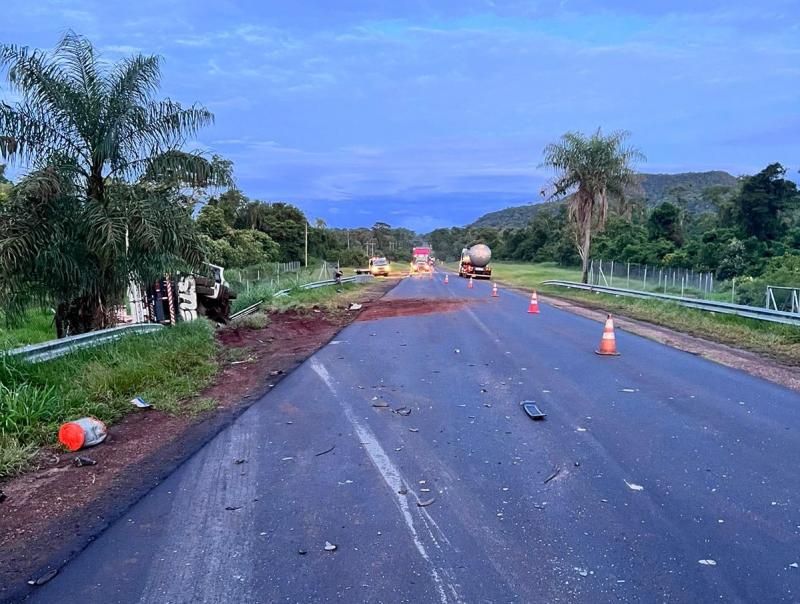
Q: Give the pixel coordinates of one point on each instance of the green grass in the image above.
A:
(781, 342)
(164, 368)
(37, 326)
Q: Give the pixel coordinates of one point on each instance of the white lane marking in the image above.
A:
(393, 478)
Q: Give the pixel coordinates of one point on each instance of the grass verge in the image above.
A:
(165, 368)
(37, 326)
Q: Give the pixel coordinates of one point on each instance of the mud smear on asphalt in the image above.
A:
(52, 513)
(409, 307)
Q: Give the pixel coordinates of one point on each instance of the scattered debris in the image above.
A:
(287, 458)
(708, 562)
(487, 404)
(413, 429)
(426, 503)
(329, 547)
(3, 496)
(538, 506)
(302, 552)
(84, 461)
(138, 401)
(354, 306)
(580, 429)
(628, 390)
(84, 432)
(634, 487)
(239, 462)
(555, 473)
(403, 491)
(533, 410)
(233, 508)
(325, 451)
(425, 490)
(43, 578)
(581, 571)
(277, 372)
(793, 565)
(457, 351)
(577, 464)
(380, 405)
(402, 411)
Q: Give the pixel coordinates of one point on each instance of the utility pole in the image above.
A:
(306, 243)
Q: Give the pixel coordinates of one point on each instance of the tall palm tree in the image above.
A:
(590, 170)
(102, 202)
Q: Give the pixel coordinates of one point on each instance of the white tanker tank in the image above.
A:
(475, 262)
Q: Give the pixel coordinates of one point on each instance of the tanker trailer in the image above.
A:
(475, 262)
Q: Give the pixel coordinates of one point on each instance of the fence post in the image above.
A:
(628, 281)
(612, 273)
(733, 290)
(644, 281)
(683, 280)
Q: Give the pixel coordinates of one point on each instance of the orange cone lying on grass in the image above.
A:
(608, 345)
(533, 307)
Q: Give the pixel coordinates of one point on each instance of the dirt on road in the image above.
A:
(52, 513)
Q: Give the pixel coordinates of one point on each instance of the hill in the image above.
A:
(686, 187)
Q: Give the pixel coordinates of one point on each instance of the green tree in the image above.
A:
(665, 222)
(103, 203)
(764, 202)
(590, 169)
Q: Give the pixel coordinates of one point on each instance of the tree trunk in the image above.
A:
(96, 189)
(82, 315)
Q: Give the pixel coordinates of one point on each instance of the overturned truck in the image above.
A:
(182, 297)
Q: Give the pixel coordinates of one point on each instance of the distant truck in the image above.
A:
(475, 262)
(377, 266)
(421, 260)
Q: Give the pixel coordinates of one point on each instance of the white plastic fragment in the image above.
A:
(634, 487)
(329, 547)
(708, 562)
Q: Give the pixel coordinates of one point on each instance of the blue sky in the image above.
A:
(430, 113)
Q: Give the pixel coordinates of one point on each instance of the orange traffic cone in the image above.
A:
(446, 280)
(469, 285)
(533, 307)
(494, 290)
(608, 345)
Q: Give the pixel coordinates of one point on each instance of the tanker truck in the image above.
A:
(475, 262)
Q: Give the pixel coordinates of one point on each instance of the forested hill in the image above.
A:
(653, 189)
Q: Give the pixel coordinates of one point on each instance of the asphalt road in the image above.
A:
(664, 460)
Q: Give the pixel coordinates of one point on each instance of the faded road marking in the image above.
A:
(394, 480)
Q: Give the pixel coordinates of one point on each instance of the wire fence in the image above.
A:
(686, 282)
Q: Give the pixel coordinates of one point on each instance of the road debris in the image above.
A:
(354, 306)
(139, 402)
(707, 562)
(329, 547)
(84, 432)
(413, 429)
(532, 410)
(43, 578)
(794, 565)
(580, 429)
(628, 390)
(277, 372)
(325, 451)
(84, 461)
(239, 462)
(287, 458)
(380, 405)
(581, 571)
(426, 503)
(302, 552)
(402, 411)
(457, 351)
(634, 487)
(403, 491)
(233, 508)
(555, 473)
(3, 496)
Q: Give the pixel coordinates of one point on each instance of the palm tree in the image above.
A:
(590, 170)
(103, 201)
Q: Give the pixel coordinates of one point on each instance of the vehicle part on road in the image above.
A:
(402, 411)
(555, 473)
(84, 432)
(329, 547)
(325, 451)
(44, 578)
(84, 461)
(469, 284)
(608, 343)
(494, 290)
(426, 503)
(533, 307)
(138, 401)
(532, 409)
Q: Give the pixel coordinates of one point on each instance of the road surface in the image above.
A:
(676, 479)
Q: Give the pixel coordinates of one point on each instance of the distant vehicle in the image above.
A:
(421, 261)
(475, 262)
(379, 266)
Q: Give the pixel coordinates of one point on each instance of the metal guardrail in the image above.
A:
(313, 285)
(44, 351)
(750, 312)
